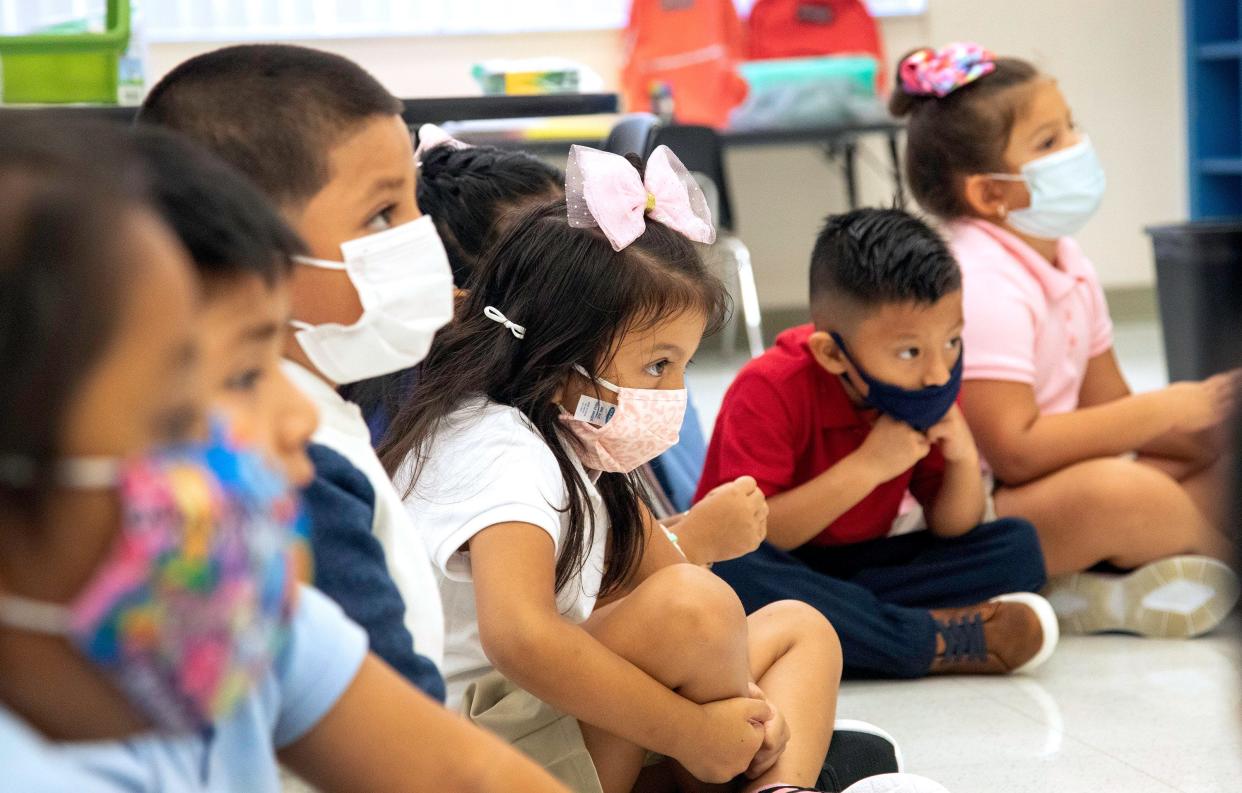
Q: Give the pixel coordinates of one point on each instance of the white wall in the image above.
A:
(1120, 63)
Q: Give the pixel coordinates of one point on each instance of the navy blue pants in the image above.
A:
(877, 593)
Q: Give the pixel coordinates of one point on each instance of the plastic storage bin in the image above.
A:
(793, 93)
(56, 68)
(1199, 286)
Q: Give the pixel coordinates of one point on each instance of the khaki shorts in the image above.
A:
(550, 738)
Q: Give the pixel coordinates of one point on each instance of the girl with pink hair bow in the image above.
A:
(577, 628)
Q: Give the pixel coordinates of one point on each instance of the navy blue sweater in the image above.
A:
(350, 566)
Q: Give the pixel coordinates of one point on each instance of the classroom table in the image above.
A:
(839, 142)
(424, 110)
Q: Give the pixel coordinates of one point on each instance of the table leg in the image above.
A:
(899, 190)
(850, 150)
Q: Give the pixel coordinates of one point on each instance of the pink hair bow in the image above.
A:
(605, 190)
(430, 136)
(929, 72)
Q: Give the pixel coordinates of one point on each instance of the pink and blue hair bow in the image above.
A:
(929, 72)
(604, 190)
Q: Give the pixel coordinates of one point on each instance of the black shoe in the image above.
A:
(858, 750)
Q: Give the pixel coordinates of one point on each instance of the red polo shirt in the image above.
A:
(785, 420)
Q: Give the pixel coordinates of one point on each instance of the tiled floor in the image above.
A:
(1108, 714)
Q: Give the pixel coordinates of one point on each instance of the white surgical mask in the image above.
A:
(405, 285)
(1066, 188)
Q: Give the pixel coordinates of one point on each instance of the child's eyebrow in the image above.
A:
(1042, 128)
(260, 332)
(668, 347)
(385, 186)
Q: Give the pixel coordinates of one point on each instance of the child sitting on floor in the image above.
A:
(1129, 480)
(837, 422)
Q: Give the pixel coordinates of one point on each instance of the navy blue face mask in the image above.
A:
(920, 408)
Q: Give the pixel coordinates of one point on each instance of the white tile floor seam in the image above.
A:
(1108, 714)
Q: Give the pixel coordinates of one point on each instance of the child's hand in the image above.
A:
(729, 522)
(953, 434)
(775, 738)
(892, 448)
(1203, 405)
(727, 739)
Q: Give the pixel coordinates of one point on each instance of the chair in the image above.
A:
(633, 133)
(702, 152)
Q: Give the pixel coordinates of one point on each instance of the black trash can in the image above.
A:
(1199, 285)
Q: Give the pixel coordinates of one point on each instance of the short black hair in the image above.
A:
(273, 111)
(229, 229)
(467, 191)
(870, 257)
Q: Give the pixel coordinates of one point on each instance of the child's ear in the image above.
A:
(991, 198)
(827, 353)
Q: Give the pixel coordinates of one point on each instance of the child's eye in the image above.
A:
(245, 381)
(382, 219)
(954, 343)
(1048, 143)
(908, 354)
(657, 369)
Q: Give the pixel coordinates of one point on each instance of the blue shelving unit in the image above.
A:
(1214, 107)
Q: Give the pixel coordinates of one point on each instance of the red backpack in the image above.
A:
(802, 28)
(693, 46)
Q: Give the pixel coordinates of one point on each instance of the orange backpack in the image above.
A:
(801, 28)
(693, 46)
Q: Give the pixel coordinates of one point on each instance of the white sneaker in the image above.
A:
(897, 783)
(1177, 597)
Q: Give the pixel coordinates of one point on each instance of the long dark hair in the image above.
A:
(949, 138)
(577, 298)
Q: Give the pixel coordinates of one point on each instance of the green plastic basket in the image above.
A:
(54, 68)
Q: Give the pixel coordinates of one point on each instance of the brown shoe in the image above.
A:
(1010, 633)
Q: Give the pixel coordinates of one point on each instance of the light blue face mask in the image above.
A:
(1066, 188)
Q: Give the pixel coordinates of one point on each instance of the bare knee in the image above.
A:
(694, 606)
(1127, 488)
(796, 625)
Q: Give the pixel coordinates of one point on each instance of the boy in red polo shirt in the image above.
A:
(838, 422)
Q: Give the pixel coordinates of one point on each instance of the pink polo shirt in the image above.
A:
(1026, 320)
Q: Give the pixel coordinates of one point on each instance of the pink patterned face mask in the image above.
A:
(194, 601)
(645, 423)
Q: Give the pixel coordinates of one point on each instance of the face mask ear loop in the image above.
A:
(322, 264)
(33, 616)
(88, 473)
(616, 389)
(845, 351)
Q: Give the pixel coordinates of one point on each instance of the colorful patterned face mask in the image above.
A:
(194, 600)
(645, 423)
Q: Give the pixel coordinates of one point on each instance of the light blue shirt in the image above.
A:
(324, 653)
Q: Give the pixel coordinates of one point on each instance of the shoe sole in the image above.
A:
(1176, 598)
(896, 783)
(853, 725)
(1047, 621)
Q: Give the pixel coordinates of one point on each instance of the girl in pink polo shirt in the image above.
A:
(1120, 486)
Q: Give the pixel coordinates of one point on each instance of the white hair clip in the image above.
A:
(492, 313)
